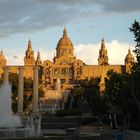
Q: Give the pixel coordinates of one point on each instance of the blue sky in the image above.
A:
(87, 21)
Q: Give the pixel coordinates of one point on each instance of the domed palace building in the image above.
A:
(65, 67)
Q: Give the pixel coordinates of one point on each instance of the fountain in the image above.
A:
(6, 117)
(10, 125)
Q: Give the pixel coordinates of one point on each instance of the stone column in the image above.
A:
(58, 84)
(35, 90)
(20, 90)
(51, 75)
(6, 74)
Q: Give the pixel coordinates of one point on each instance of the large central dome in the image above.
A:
(64, 46)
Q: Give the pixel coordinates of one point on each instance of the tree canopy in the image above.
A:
(135, 28)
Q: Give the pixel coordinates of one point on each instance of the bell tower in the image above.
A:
(29, 55)
(103, 57)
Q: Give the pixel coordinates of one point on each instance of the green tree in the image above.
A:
(28, 91)
(87, 97)
(135, 75)
(122, 93)
(135, 28)
(92, 96)
(116, 88)
(28, 84)
(119, 98)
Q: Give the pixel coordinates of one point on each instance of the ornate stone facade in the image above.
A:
(66, 67)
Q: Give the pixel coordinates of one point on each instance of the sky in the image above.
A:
(87, 21)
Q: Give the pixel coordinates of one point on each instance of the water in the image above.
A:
(10, 125)
(7, 119)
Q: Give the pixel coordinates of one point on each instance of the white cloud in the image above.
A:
(88, 53)
(46, 54)
(14, 56)
(116, 52)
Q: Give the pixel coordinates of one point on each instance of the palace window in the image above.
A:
(63, 71)
(70, 72)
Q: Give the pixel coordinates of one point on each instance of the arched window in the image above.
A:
(55, 71)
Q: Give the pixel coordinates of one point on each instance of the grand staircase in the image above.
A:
(53, 100)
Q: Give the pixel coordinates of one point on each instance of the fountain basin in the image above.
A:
(15, 132)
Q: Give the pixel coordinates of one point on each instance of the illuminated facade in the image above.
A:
(66, 67)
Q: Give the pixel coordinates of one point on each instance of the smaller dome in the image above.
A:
(129, 57)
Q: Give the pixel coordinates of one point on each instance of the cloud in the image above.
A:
(28, 16)
(88, 53)
(122, 6)
(16, 57)
(46, 56)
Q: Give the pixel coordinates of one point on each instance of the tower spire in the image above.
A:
(102, 40)
(102, 43)
(129, 51)
(65, 32)
(38, 55)
(38, 60)
(29, 45)
(1, 51)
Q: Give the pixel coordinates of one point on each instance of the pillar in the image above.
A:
(6, 74)
(35, 90)
(51, 75)
(20, 90)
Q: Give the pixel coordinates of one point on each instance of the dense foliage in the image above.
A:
(123, 90)
(135, 28)
(122, 93)
(87, 98)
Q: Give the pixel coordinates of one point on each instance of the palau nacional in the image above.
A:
(66, 67)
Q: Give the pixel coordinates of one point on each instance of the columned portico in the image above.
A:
(20, 70)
